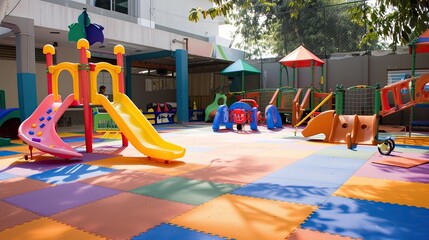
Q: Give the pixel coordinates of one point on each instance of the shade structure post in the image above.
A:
(242, 81)
(312, 73)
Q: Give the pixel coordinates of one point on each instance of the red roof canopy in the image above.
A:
(422, 43)
(301, 57)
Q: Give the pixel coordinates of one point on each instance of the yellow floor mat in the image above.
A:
(415, 141)
(390, 191)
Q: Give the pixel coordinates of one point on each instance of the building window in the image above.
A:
(113, 5)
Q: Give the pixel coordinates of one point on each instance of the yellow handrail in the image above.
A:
(315, 109)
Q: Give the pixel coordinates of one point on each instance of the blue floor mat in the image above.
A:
(5, 175)
(341, 151)
(6, 153)
(331, 162)
(314, 173)
(369, 220)
(71, 173)
(289, 190)
(168, 232)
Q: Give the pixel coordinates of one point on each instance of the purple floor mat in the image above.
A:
(415, 174)
(56, 199)
(29, 168)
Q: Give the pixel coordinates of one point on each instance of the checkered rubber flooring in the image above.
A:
(230, 185)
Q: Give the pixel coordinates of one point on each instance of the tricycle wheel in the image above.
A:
(392, 142)
(386, 147)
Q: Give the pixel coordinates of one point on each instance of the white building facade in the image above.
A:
(141, 26)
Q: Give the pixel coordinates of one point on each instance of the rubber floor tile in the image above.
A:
(285, 152)
(415, 174)
(17, 148)
(5, 162)
(174, 171)
(122, 216)
(184, 190)
(241, 217)
(172, 168)
(411, 149)
(38, 165)
(369, 220)
(125, 179)
(305, 234)
(70, 134)
(390, 191)
(5, 153)
(230, 175)
(404, 162)
(80, 139)
(71, 173)
(263, 164)
(5, 175)
(58, 198)
(239, 149)
(202, 158)
(331, 162)
(42, 229)
(168, 232)
(342, 152)
(11, 215)
(15, 186)
(314, 173)
(288, 190)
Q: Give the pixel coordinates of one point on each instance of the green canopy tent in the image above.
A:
(240, 68)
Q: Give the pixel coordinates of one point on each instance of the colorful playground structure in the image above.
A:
(212, 108)
(239, 113)
(39, 130)
(363, 129)
(245, 111)
(9, 121)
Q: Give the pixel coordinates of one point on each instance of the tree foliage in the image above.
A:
(399, 21)
(281, 24)
(277, 27)
(323, 27)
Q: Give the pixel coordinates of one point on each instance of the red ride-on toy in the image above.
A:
(239, 113)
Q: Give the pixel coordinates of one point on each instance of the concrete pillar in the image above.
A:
(182, 85)
(25, 63)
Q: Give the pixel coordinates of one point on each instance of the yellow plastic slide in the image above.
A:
(138, 130)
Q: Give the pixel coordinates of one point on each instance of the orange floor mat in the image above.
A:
(242, 217)
(390, 191)
(19, 185)
(125, 180)
(403, 162)
(43, 229)
(173, 168)
(416, 141)
(11, 216)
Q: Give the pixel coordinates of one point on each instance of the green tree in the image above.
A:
(399, 21)
(278, 27)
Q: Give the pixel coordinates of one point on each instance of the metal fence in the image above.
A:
(328, 29)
